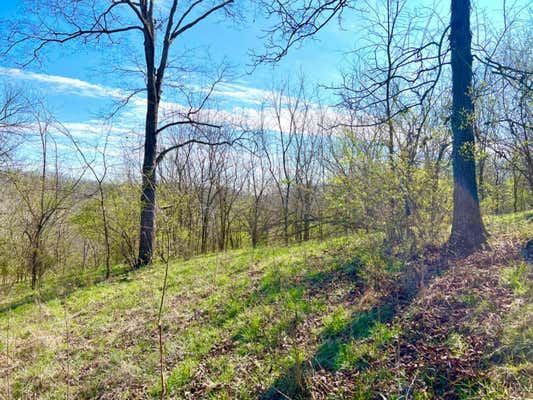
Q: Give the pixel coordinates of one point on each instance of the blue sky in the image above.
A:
(76, 83)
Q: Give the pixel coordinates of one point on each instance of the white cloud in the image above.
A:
(245, 94)
(63, 84)
(244, 108)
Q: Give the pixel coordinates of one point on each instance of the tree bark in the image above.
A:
(148, 199)
(147, 228)
(468, 233)
(34, 266)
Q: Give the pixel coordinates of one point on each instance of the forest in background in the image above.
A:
(376, 159)
(369, 238)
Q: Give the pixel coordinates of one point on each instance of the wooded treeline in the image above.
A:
(377, 158)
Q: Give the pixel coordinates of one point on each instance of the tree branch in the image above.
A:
(187, 122)
(164, 152)
(178, 31)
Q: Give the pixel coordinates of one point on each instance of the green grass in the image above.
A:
(518, 223)
(226, 315)
(518, 278)
(238, 325)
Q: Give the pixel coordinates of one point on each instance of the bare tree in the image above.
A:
(45, 201)
(99, 173)
(231, 184)
(503, 85)
(158, 27)
(396, 72)
(14, 111)
(285, 116)
(254, 195)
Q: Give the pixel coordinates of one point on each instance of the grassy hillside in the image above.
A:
(334, 320)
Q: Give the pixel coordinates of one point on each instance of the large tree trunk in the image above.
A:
(468, 232)
(147, 228)
(148, 191)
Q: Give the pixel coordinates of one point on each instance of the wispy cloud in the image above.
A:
(242, 105)
(62, 84)
(242, 94)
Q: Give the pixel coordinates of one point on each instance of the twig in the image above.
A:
(283, 394)
(7, 356)
(67, 377)
(159, 317)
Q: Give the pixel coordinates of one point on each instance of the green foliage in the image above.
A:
(410, 205)
(122, 209)
(354, 354)
(520, 224)
(518, 278)
(336, 322)
(365, 321)
(252, 301)
(457, 344)
(181, 375)
(250, 329)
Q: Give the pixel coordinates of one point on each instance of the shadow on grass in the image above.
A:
(331, 352)
(62, 287)
(278, 284)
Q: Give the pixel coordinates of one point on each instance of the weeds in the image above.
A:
(320, 319)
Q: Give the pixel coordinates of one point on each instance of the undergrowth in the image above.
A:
(322, 319)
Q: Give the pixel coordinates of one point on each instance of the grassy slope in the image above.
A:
(318, 318)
